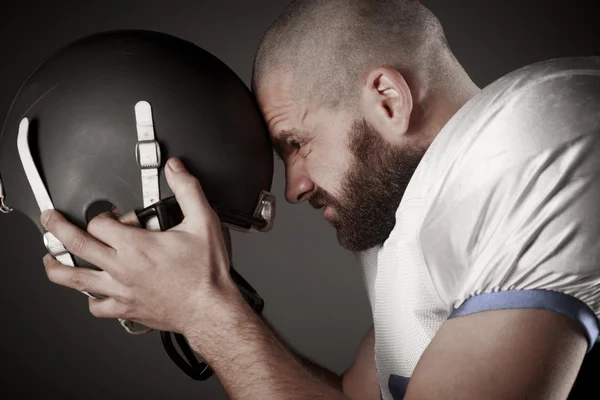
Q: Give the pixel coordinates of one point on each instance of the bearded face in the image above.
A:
(365, 211)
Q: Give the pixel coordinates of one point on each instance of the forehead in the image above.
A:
(282, 108)
(289, 114)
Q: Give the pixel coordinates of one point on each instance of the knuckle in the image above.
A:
(77, 244)
(52, 277)
(126, 279)
(127, 297)
(100, 222)
(207, 218)
(95, 310)
(95, 225)
(126, 311)
(51, 222)
(78, 280)
(193, 182)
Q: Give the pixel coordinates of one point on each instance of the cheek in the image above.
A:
(328, 168)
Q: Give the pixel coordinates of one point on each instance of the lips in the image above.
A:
(315, 205)
(318, 205)
(328, 213)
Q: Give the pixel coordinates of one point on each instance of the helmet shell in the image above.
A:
(80, 103)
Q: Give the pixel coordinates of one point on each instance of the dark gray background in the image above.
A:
(52, 346)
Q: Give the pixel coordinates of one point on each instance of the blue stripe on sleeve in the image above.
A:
(536, 298)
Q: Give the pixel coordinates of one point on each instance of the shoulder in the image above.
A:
(541, 105)
(523, 184)
(534, 111)
(522, 114)
(548, 99)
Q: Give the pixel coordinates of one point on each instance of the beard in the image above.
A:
(365, 210)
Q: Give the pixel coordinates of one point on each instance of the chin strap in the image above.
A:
(53, 245)
(147, 153)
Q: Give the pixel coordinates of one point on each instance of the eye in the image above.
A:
(296, 144)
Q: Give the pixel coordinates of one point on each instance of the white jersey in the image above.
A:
(502, 212)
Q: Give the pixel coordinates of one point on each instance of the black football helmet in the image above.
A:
(91, 127)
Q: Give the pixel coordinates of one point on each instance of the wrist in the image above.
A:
(216, 319)
(248, 358)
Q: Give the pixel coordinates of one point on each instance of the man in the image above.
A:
(473, 212)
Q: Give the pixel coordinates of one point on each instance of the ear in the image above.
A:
(387, 102)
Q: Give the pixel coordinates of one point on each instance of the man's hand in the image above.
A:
(179, 281)
(163, 280)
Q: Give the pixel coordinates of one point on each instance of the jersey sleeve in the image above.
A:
(519, 227)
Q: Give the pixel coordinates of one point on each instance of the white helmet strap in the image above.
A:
(148, 158)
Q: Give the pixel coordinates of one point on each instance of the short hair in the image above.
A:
(329, 44)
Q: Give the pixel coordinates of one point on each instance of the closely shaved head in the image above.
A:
(353, 93)
(328, 45)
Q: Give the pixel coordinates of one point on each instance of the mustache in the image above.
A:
(321, 199)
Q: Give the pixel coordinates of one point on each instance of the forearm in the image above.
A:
(317, 371)
(252, 363)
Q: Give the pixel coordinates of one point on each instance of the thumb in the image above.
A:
(187, 190)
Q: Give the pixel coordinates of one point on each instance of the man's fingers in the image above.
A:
(76, 240)
(90, 281)
(107, 228)
(81, 279)
(188, 192)
(107, 308)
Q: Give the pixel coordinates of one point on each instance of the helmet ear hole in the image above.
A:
(97, 208)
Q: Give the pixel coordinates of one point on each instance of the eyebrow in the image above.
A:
(281, 140)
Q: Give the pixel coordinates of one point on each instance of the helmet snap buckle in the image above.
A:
(147, 154)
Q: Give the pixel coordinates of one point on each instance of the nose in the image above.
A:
(298, 187)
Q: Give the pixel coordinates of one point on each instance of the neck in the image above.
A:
(438, 106)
